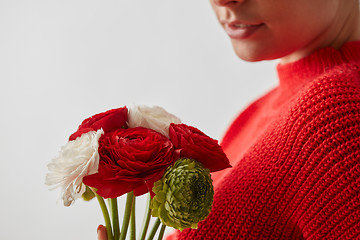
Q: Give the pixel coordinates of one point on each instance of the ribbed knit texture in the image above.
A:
(296, 157)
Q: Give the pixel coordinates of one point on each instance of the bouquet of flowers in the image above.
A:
(137, 151)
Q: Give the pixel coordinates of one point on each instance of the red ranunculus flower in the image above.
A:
(108, 121)
(130, 160)
(192, 143)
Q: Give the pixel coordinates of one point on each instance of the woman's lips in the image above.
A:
(238, 30)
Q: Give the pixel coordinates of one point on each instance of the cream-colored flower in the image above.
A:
(155, 118)
(77, 159)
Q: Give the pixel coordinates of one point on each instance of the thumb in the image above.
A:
(101, 232)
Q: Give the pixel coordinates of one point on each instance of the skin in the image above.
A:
(292, 29)
(101, 231)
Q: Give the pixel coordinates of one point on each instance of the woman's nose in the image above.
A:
(227, 2)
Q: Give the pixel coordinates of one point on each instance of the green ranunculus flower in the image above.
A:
(184, 195)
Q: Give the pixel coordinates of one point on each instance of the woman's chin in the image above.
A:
(251, 53)
(250, 56)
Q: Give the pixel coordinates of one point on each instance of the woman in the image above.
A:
(295, 151)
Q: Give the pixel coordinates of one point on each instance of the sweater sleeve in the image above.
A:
(301, 180)
(322, 157)
(326, 152)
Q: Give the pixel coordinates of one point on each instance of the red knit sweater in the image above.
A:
(296, 157)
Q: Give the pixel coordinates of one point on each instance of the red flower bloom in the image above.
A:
(130, 160)
(192, 143)
(108, 121)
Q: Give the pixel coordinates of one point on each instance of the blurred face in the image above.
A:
(286, 29)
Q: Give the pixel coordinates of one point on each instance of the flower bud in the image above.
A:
(88, 194)
(184, 195)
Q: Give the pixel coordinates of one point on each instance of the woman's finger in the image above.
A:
(101, 231)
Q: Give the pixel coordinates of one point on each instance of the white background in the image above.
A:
(63, 61)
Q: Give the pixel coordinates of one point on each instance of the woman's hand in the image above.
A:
(101, 232)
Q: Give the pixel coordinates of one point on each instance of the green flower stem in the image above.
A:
(106, 217)
(115, 217)
(133, 222)
(109, 202)
(126, 218)
(147, 217)
(154, 229)
(162, 231)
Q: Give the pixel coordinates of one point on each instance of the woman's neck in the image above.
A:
(346, 28)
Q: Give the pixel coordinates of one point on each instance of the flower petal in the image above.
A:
(155, 118)
(194, 144)
(76, 160)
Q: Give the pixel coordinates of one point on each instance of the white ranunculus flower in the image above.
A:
(77, 159)
(155, 118)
